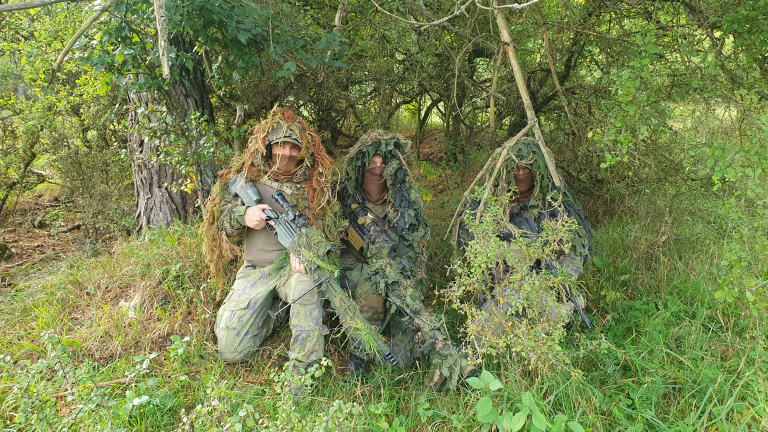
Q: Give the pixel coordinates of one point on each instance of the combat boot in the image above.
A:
(356, 365)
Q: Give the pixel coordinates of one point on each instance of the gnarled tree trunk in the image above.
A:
(160, 199)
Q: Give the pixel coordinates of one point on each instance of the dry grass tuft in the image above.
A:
(126, 303)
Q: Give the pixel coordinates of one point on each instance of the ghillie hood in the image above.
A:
(546, 193)
(314, 174)
(528, 154)
(406, 209)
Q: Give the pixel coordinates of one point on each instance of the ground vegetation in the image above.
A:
(109, 141)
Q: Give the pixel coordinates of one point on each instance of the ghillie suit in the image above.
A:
(310, 183)
(547, 203)
(384, 260)
(243, 322)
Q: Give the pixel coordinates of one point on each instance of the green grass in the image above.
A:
(666, 353)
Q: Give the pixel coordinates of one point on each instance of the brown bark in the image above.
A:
(159, 200)
(31, 156)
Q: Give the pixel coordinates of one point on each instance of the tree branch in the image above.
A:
(551, 62)
(12, 7)
(96, 15)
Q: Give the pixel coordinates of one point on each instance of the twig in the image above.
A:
(30, 5)
(469, 189)
(99, 385)
(508, 6)
(552, 67)
(67, 229)
(489, 184)
(494, 87)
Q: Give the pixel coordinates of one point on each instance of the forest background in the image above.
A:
(655, 111)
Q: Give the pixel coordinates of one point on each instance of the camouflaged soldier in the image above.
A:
(537, 199)
(384, 260)
(282, 154)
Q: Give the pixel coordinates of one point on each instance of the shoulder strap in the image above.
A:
(286, 188)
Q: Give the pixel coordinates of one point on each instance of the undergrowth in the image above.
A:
(124, 341)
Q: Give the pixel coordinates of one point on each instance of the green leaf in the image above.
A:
(489, 418)
(528, 400)
(475, 383)
(484, 406)
(539, 421)
(487, 377)
(507, 421)
(518, 421)
(575, 427)
(495, 385)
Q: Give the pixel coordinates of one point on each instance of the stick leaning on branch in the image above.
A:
(501, 22)
(498, 156)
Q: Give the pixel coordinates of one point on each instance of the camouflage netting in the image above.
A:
(314, 173)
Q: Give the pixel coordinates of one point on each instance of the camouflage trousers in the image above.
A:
(243, 322)
(400, 331)
(417, 333)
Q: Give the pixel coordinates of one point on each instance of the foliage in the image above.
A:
(221, 411)
(35, 402)
(526, 325)
(515, 419)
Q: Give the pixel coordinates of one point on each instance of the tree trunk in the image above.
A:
(31, 156)
(160, 200)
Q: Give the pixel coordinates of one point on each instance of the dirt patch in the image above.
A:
(432, 147)
(30, 232)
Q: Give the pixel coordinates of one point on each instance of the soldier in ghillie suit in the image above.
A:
(383, 259)
(537, 199)
(283, 154)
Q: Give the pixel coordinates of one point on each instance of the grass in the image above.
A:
(666, 354)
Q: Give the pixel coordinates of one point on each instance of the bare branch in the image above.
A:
(458, 10)
(514, 6)
(161, 20)
(31, 5)
(552, 67)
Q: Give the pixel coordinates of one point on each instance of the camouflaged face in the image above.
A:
(547, 196)
(528, 154)
(407, 224)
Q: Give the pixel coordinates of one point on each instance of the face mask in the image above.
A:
(374, 185)
(284, 166)
(524, 184)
